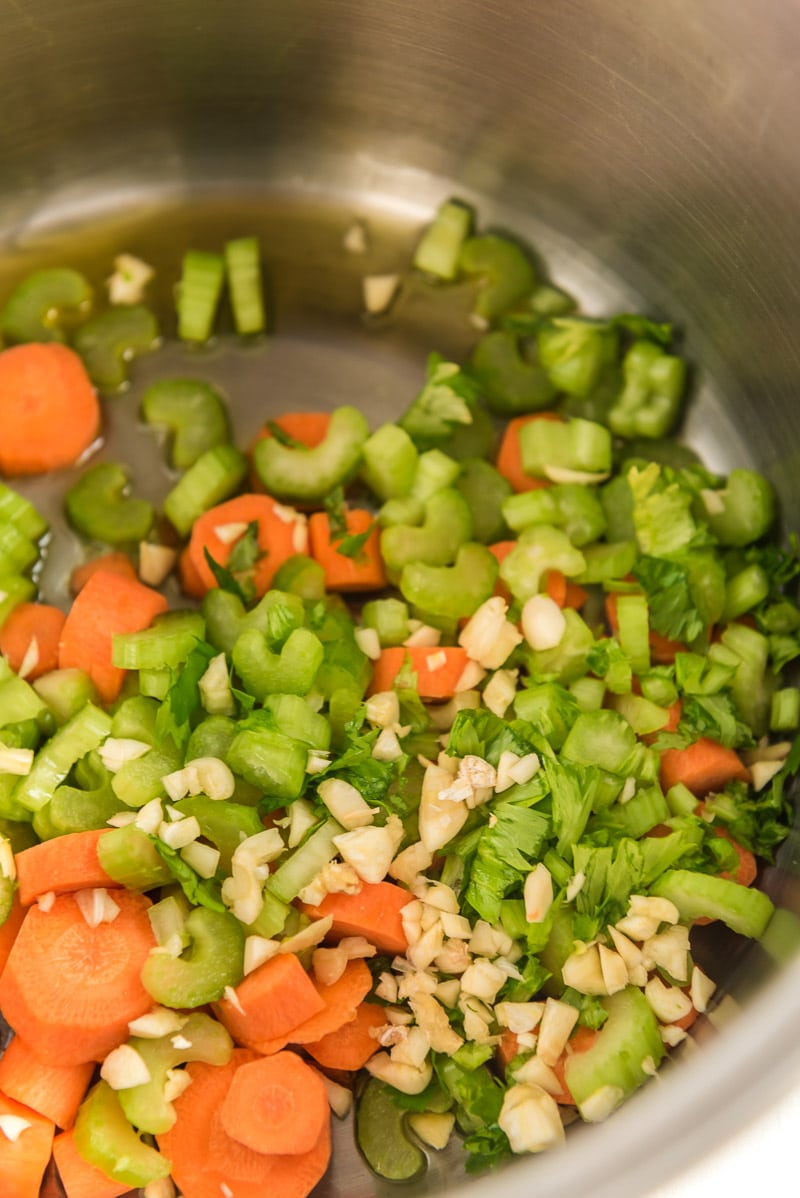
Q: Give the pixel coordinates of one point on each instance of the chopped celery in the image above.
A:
(45, 300)
(167, 642)
(440, 245)
(194, 413)
(243, 269)
(300, 474)
(199, 292)
(99, 506)
(108, 342)
(215, 475)
(212, 961)
(105, 1138)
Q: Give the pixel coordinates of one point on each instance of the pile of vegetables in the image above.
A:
(412, 802)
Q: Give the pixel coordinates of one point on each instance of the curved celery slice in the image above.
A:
(307, 475)
(99, 507)
(39, 304)
(212, 961)
(505, 268)
(200, 1039)
(451, 591)
(510, 384)
(105, 1138)
(446, 526)
(109, 341)
(703, 896)
(194, 413)
(214, 476)
(382, 1137)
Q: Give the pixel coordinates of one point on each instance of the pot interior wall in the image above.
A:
(646, 152)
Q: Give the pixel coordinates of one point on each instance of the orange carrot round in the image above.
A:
(276, 1104)
(115, 562)
(55, 1091)
(70, 990)
(350, 1046)
(270, 1002)
(9, 929)
(279, 538)
(64, 864)
(30, 635)
(340, 1001)
(438, 669)
(107, 604)
(51, 413)
(373, 913)
(365, 570)
(702, 767)
(24, 1160)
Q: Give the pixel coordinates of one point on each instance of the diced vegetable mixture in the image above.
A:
(411, 803)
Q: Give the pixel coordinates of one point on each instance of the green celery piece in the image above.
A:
(439, 248)
(751, 685)
(642, 714)
(382, 1137)
(785, 710)
(271, 919)
(680, 800)
(135, 719)
(99, 506)
(607, 561)
(213, 737)
(447, 525)
(108, 342)
(451, 591)
(129, 856)
(601, 738)
(575, 444)
(224, 822)
(538, 550)
(697, 896)
(505, 269)
(510, 383)
(167, 642)
(550, 708)
(17, 510)
(87, 730)
(619, 1057)
(308, 475)
(300, 575)
(19, 700)
(746, 589)
(445, 404)
(576, 353)
(10, 809)
(435, 471)
(616, 498)
(65, 691)
(589, 693)
(548, 300)
(570, 506)
(138, 781)
(390, 462)
(649, 403)
(74, 810)
(662, 513)
(305, 862)
(20, 836)
(201, 1038)
(17, 552)
(243, 270)
(45, 300)
(213, 477)
(293, 716)
(213, 960)
(634, 631)
(199, 291)
(405, 510)
(14, 589)
(389, 618)
(486, 491)
(274, 762)
(105, 1138)
(646, 810)
(568, 660)
(290, 671)
(748, 508)
(193, 412)
(478, 439)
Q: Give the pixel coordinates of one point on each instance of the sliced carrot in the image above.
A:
(350, 1046)
(9, 928)
(207, 1162)
(64, 864)
(51, 413)
(276, 1104)
(438, 669)
(191, 581)
(564, 592)
(70, 990)
(30, 636)
(309, 428)
(702, 767)
(55, 1091)
(507, 1049)
(270, 1002)
(279, 537)
(341, 1002)
(373, 913)
(23, 1160)
(365, 570)
(114, 562)
(79, 1178)
(107, 605)
(509, 458)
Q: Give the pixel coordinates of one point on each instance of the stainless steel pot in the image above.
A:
(648, 151)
